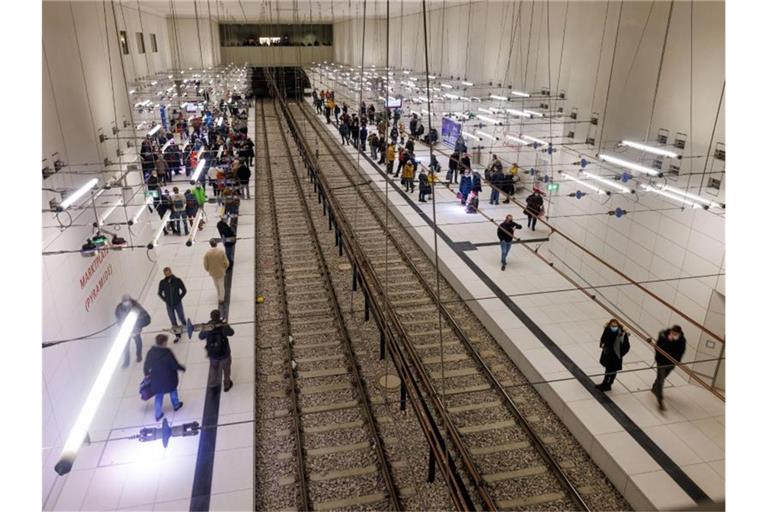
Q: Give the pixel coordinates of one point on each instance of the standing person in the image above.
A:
(423, 186)
(410, 145)
(363, 138)
(243, 174)
(121, 311)
(215, 262)
(250, 152)
(373, 141)
(402, 157)
(172, 290)
(408, 172)
(390, 158)
(163, 367)
(163, 205)
(452, 176)
(615, 345)
(162, 168)
(534, 207)
(344, 132)
(228, 238)
(191, 206)
(473, 201)
(672, 341)
(506, 232)
(382, 149)
(201, 198)
(179, 209)
(354, 130)
(497, 182)
(434, 165)
(465, 187)
(215, 333)
(508, 182)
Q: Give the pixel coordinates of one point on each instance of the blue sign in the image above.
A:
(163, 117)
(451, 131)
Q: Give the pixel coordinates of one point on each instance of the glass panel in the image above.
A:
(140, 42)
(124, 42)
(275, 35)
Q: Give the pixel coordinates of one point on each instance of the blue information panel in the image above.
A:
(451, 131)
(164, 117)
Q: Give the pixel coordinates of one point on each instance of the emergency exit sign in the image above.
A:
(553, 187)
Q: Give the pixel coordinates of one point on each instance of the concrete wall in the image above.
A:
(576, 47)
(84, 95)
(276, 56)
(194, 42)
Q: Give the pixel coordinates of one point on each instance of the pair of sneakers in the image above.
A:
(175, 408)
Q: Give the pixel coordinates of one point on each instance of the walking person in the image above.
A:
(402, 157)
(172, 290)
(505, 232)
(127, 304)
(215, 333)
(423, 186)
(534, 208)
(672, 341)
(390, 158)
(228, 238)
(243, 175)
(615, 345)
(215, 262)
(497, 183)
(162, 367)
(179, 211)
(508, 183)
(465, 187)
(452, 176)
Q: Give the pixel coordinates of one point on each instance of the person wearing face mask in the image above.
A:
(672, 342)
(615, 345)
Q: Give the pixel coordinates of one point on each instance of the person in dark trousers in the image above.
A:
(505, 233)
(215, 333)
(452, 176)
(672, 341)
(534, 208)
(615, 345)
(162, 367)
(179, 211)
(424, 189)
(465, 187)
(243, 174)
(121, 311)
(172, 290)
(229, 239)
(497, 182)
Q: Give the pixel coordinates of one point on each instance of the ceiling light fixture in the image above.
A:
(627, 164)
(650, 149)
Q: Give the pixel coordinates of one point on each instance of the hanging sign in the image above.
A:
(164, 117)
(451, 131)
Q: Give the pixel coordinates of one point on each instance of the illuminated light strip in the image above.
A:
(451, 96)
(518, 112)
(154, 130)
(464, 98)
(474, 98)
(446, 86)
(132, 91)
(165, 146)
(486, 135)
(585, 184)
(471, 136)
(219, 120)
(135, 218)
(109, 212)
(425, 111)
(533, 113)
(629, 165)
(683, 200)
(84, 419)
(199, 167)
(518, 140)
(487, 111)
(468, 84)
(195, 228)
(497, 97)
(423, 98)
(608, 182)
(534, 139)
(520, 94)
(69, 201)
(156, 238)
(650, 149)
(496, 110)
(692, 197)
(489, 120)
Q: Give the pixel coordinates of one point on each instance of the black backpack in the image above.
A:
(216, 344)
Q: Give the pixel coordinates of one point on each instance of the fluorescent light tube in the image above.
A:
(471, 136)
(451, 96)
(468, 84)
(219, 121)
(195, 228)
(109, 212)
(446, 86)
(198, 169)
(584, 184)
(486, 135)
(650, 149)
(520, 94)
(165, 146)
(156, 238)
(497, 97)
(135, 218)
(431, 77)
(534, 139)
(154, 130)
(474, 98)
(627, 164)
(487, 111)
(464, 98)
(495, 110)
(489, 120)
(608, 182)
(668, 195)
(533, 113)
(519, 113)
(69, 201)
(692, 197)
(518, 140)
(96, 394)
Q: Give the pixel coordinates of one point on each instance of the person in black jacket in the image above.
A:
(452, 176)
(243, 174)
(672, 342)
(505, 232)
(534, 206)
(228, 238)
(215, 335)
(615, 345)
(172, 290)
(121, 311)
(162, 367)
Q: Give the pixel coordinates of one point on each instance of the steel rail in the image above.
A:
(442, 458)
(357, 378)
(537, 442)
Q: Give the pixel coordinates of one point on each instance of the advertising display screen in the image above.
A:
(450, 132)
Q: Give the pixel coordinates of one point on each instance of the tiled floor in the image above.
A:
(691, 431)
(124, 474)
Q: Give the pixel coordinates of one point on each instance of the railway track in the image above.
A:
(332, 443)
(513, 451)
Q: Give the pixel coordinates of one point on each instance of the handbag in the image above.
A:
(459, 196)
(145, 388)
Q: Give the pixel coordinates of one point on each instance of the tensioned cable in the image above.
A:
(639, 44)
(610, 77)
(199, 40)
(146, 53)
(562, 48)
(528, 51)
(661, 67)
(468, 38)
(599, 57)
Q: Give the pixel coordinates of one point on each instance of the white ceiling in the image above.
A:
(283, 11)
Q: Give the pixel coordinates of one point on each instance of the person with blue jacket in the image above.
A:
(465, 186)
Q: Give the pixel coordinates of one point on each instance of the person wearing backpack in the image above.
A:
(215, 333)
(179, 211)
(452, 176)
(162, 367)
(126, 305)
(423, 186)
(615, 345)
